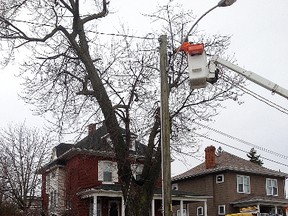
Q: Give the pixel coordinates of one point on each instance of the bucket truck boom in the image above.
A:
(265, 83)
(200, 72)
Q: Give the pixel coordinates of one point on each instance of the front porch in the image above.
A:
(107, 200)
(264, 205)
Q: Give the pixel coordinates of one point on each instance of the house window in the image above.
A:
(220, 178)
(175, 186)
(271, 187)
(53, 174)
(179, 212)
(107, 171)
(132, 146)
(137, 170)
(200, 211)
(53, 200)
(243, 184)
(221, 210)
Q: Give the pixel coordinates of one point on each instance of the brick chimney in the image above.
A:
(91, 129)
(210, 157)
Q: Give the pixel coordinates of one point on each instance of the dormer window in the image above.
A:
(137, 170)
(132, 146)
(106, 138)
(109, 141)
(54, 154)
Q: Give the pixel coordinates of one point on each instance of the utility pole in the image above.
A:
(165, 130)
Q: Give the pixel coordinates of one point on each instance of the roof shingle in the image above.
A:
(229, 162)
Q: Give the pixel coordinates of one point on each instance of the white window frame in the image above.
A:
(175, 186)
(107, 166)
(222, 178)
(271, 187)
(245, 182)
(220, 211)
(200, 211)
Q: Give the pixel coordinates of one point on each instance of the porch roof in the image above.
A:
(114, 190)
(260, 200)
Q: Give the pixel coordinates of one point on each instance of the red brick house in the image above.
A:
(235, 184)
(81, 179)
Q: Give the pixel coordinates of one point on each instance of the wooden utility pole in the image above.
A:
(165, 130)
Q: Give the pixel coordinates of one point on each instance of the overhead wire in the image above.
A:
(256, 96)
(243, 141)
(238, 149)
(91, 31)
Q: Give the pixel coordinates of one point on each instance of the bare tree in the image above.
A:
(22, 152)
(77, 77)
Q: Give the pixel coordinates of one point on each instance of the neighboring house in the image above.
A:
(81, 179)
(235, 184)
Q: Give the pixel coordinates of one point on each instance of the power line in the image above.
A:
(125, 35)
(238, 149)
(244, 142)
(91, 31)
(257, 96)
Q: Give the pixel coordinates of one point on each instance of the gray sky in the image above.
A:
(259, 33)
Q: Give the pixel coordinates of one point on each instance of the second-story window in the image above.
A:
(137, 170)
(107, 171)
(175, 186)
(271, 187)
(243, 184)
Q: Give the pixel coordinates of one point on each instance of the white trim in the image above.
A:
(219, 178)
(224, 210)
(153, 207)
(245, 181)
(202, 211)
(94, 205)
(270, 187)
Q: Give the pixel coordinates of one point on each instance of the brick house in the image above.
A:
(82, 180)
(235, 184)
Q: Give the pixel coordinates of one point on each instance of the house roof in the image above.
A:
(229, 162)
(97, 141)
(93, 144)
(62, 148)
(254, 200)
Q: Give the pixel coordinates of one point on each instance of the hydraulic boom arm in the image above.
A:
(249, 75)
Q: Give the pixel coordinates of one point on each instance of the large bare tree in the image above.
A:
(22, 152)
(75, 76)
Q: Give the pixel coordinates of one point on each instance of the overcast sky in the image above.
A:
(259, 44)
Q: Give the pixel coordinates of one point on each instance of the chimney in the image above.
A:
(91, 129)
(210, 157)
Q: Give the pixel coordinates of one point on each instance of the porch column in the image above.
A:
(181, 207)
(122, 206)
(276, 210)
(94, 205)
(153, 207)
(205, 208)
